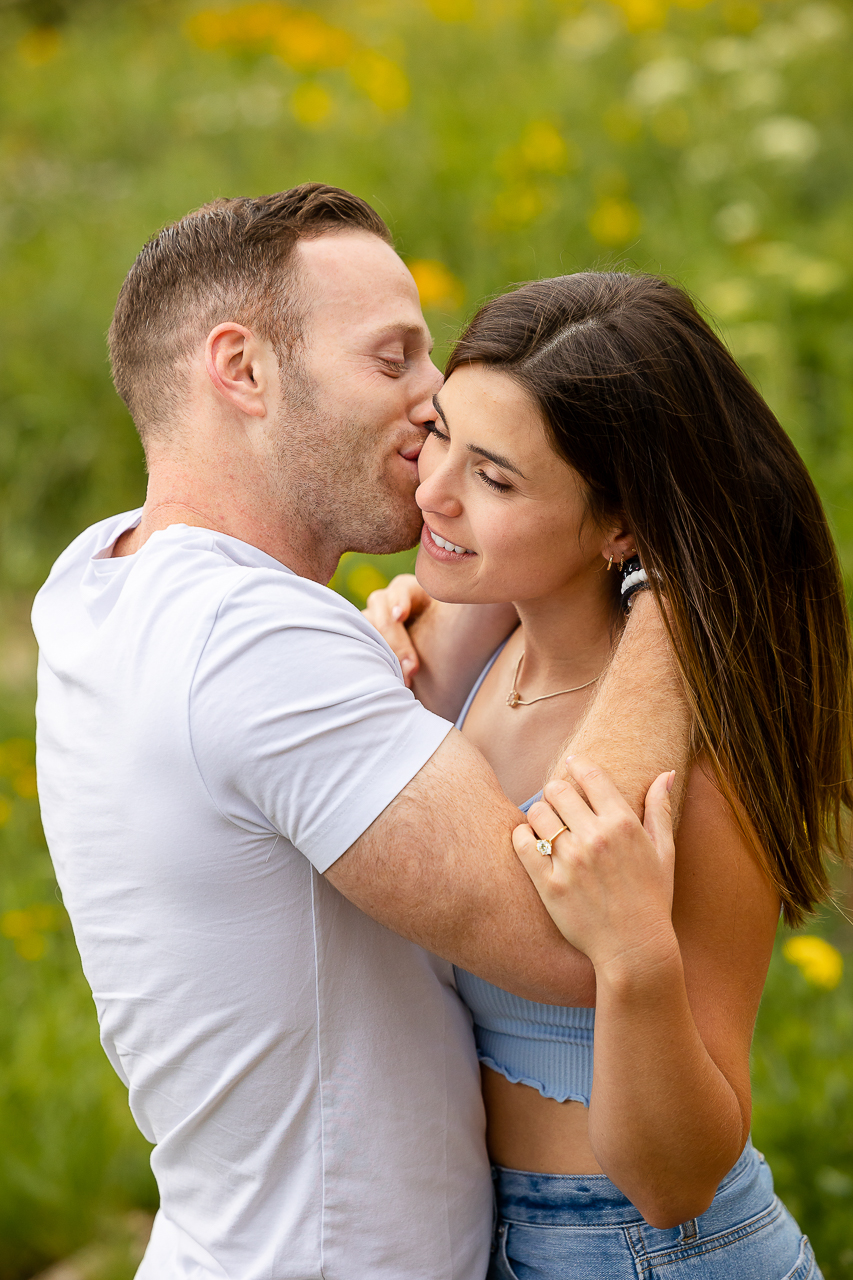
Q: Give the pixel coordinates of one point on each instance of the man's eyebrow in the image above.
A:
(404, 331)
(497, 458)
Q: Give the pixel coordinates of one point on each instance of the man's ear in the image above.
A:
(241, 368)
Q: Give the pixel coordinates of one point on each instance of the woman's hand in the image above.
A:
(608, 883)
(390, 609)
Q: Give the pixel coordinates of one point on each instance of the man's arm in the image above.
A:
(639, 723)
(438, 867)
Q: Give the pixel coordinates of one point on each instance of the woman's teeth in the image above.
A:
(448, 546)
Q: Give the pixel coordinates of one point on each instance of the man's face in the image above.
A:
(354, 419)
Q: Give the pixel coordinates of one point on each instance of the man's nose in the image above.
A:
(424, 409)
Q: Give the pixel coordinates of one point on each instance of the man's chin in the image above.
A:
(400, 533)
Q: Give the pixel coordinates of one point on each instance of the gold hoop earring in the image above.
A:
(609, 564)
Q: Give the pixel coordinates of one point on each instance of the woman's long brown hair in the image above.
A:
(672, 439)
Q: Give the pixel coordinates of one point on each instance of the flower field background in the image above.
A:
(502, 140)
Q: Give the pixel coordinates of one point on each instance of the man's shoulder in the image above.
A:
(283, 617)
(247, 596)
(91, 541)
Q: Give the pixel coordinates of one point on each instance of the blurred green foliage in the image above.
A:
(502, 140)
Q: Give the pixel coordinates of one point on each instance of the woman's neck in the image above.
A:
(568, 636)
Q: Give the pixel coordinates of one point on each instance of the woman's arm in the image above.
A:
(676, 995)
(442, 648)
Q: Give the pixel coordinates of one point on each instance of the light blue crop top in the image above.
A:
(543, 1045)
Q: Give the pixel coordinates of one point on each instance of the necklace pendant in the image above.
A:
(512, 698)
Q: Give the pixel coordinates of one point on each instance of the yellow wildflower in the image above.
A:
(311, 103)
(437, 286)
(16, 754)
(517, 206)
(381, 79)
(25, 783)
(543, 148)
(39, 46)
(304, 40)
(299, 37)
(26, 928)
(642, 15)
(818, 961)
(614, 221)
(452, 10)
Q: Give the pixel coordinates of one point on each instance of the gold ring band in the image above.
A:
(544, 846)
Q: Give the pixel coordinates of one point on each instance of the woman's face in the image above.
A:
(492, 485)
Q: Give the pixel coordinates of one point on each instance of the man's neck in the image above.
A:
(286, 540)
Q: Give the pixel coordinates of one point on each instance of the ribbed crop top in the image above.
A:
(546, 1046)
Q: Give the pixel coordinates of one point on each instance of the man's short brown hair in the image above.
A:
(228, 260)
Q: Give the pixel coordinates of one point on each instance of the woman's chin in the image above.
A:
(443, 584)
(436, 583)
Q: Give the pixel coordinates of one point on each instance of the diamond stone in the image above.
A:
(544, 847)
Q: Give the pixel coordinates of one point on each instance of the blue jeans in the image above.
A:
(551, 1227)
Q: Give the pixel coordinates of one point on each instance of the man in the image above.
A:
(243, 800)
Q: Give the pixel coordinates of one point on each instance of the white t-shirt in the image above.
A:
(213, 733)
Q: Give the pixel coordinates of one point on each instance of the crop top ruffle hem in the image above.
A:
(546, 1046)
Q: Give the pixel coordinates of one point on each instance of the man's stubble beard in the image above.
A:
(337, 484)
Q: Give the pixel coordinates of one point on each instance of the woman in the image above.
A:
(586, 420)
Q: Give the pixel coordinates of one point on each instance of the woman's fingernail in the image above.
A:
(670, 781)
(397, 612)
(407, 665)
(569, 759)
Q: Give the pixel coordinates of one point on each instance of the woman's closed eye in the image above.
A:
(433, 429)
(493, 484)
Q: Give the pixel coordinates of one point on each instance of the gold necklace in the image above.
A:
(514, 698)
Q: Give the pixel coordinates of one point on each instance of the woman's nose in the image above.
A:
(435, 493)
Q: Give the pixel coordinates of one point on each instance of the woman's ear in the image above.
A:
(618, 545)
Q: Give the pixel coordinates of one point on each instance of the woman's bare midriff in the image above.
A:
(526, 1131)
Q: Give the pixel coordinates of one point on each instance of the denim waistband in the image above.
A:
(550, 1199)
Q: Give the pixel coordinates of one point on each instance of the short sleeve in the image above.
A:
(299, 718)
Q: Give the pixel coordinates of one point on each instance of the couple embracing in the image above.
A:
(377, 1023)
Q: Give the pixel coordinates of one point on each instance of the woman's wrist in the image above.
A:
(640, 971)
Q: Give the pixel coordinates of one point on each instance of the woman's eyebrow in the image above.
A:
(497, 458)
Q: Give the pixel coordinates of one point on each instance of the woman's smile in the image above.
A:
(442, 548)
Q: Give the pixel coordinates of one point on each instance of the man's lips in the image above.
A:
(412, 452)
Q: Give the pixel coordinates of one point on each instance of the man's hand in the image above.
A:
(390, 610)
(441, 647)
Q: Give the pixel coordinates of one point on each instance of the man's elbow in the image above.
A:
(574, 989)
